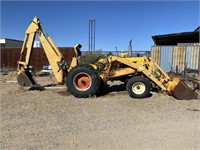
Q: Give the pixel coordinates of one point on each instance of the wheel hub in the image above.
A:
(138, 88)
(82, 81)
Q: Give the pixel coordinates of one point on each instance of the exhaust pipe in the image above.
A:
(130, 49)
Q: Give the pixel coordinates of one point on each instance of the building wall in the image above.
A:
(9, 43)
(176, 58)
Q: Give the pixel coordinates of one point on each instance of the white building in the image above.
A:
(10, 43)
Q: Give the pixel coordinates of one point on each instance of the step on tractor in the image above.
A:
(140, 74)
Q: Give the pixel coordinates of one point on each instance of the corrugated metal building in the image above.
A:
(176, 58)
(176, 52)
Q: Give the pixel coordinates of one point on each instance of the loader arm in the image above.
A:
(54, 55)
(148, 68)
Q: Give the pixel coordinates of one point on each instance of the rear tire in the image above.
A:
(138, 87)
(83, 81)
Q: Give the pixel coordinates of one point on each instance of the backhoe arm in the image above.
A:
(54, 56)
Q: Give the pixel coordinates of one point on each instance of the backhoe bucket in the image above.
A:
(25, 79)
(180, 90)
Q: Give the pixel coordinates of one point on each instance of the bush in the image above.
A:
(89, 57)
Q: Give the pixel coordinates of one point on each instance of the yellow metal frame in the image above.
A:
(136, 65)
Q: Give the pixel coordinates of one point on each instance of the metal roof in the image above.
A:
(175, 38)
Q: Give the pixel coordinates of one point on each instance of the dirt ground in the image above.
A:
(55, 120)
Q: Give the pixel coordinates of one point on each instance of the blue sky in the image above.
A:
(117, 22)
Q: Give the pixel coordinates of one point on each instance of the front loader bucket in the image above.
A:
(180, 90)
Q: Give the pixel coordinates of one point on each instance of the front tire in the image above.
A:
(138, 87)
(83, 81)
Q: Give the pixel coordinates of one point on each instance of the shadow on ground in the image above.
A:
(109, 89)
(115, 88)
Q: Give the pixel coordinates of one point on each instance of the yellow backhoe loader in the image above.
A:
(140, 74)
